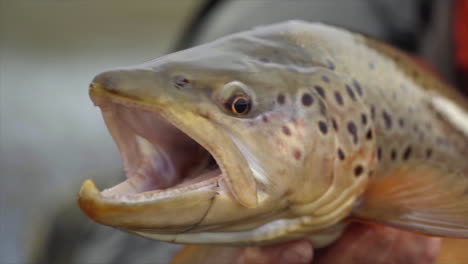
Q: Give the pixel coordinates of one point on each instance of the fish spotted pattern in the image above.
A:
(280, 132)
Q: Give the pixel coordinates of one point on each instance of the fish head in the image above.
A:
(217, 143)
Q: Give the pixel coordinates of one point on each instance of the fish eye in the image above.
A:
(239, 104)
(180, 82)
(236, 98)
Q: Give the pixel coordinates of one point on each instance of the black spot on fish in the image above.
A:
(428, 153)
(369, 135)
(266, 60)
(350, 92)
(323, 127)
(307, 99)
(387, 119)
(338, 98)
(372, 112)
(341, 154)
(334, 124)
(357, 86)
(352, 129)
(325, 78)
(320, 91)
(379, 153)
(286, 131)
(401, 122)
(358, 170)
(281, 99)
(265, 119)
(393, 154)
(364, 119)
(407, 153)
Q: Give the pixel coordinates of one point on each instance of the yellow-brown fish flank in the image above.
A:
(403, 114)
(282, 132)
(416, 71)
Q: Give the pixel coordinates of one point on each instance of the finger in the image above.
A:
(362, 244)
(295, 252)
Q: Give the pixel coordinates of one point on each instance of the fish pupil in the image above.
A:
(240, 105)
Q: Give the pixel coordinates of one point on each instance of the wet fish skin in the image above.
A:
(340, 126)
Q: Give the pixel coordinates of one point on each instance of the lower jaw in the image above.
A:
(162, 211)
(205, 213)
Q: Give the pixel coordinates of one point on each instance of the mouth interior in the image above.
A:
(158, 158)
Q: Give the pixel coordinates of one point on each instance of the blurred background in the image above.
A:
(52, 138)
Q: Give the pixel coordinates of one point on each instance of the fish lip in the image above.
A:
(91, 199)
(133, 217)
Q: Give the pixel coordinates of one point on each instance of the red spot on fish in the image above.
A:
(297, 122)
(297, 154)
(265, 119)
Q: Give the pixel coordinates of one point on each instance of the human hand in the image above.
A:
(293, 252)
(360, 244)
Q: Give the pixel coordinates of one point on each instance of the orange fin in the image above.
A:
(205, 254)
(453, 251)
(424, 198)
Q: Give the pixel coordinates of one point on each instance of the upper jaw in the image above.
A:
(169, 186)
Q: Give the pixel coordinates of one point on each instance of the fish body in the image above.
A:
(281, 132)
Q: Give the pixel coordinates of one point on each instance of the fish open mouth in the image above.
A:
(159, 159)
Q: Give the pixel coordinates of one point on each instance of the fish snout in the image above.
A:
(133, 83)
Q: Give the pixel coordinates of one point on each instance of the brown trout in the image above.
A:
(282, 132)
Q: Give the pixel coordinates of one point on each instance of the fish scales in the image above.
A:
(281, 132)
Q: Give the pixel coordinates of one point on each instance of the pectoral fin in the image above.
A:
(428, 199)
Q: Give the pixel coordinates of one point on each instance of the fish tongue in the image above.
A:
(137, 183)
(125, 187)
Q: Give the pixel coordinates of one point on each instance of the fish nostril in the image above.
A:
(181, 82)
